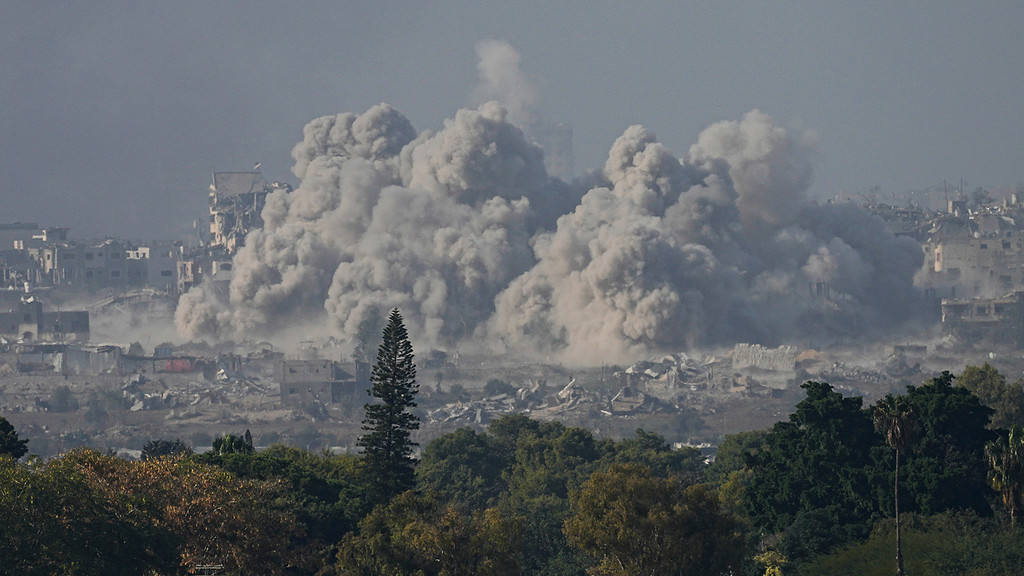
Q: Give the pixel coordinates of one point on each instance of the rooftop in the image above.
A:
(237, 183)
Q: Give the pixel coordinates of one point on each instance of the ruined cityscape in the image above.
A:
(89, 355)
(511, 288)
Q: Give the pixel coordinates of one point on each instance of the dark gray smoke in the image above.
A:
(465, 231)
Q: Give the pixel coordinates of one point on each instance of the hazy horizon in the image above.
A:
(115, 115)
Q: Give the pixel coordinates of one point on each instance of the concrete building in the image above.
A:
(155, 266)
(104, 264)
(28, 322)
(15, 233)
(19, 244)
(188, 275)
(216, 268)
(18, 268)
(43, 256)
(236, 204)
(996, 322)
(981, 255)
(108, 263)
(306, 381)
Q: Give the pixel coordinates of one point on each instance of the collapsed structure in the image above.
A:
(27, 321)
(236, 205)
(321, 381)
(992, 322)
(34, 256)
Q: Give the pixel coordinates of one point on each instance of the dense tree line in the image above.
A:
(494, 502)
(815, 494)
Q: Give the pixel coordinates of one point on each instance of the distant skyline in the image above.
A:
(113, 115)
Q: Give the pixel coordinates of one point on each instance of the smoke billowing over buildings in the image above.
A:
(479, 244)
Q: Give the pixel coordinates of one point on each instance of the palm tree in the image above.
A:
(894, 418)
(1006, 475)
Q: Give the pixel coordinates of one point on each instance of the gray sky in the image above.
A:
(114, 114)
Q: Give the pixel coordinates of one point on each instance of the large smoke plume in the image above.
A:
(466, 232)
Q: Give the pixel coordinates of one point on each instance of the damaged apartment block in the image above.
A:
(995, 322)
(236, 202)
(304, 382)
(26, 321)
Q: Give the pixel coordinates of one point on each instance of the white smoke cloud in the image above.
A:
(378, 136)
(502, 80)
(721, 248)
(477, 155)
(435, 223)
(466, 232)
(768, 168)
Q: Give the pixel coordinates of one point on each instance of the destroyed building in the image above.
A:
(94, 265)
(78, 359)
(236, 204)
(782, 358)
(19, 244)
(17, 268)
(155, 265)
(22, 235)
(973, 253)
(27, 321)
(910, 221)
(35, 256)
(109, 263)
(994, 322)
(308, 381)
(209, 266)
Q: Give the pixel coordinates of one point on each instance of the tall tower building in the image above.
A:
(556, 140)
(236, 205)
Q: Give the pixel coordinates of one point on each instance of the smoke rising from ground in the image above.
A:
(502, 79)
(464, 230)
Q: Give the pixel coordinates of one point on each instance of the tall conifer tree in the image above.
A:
(388, 422)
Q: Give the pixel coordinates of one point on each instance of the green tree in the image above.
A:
(894, 419)
(632, 523)
(652, 451)
(387, 444)
(1006, 469)
(463, 467)
(158, 448)
(947, 468)
(328, 492)
(59, 518)
(734, 453)
(811, 477)
(9, 442)
(456, 392)
(951, 543)
(772, 561)
(416, 535)
(548, 462)
(62, 400)
(992, 389)
(231, 444)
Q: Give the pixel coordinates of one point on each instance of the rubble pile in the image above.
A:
(778, 359)
(474, 411)
(840, 374)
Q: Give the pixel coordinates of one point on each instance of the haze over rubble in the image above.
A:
(465, 231)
